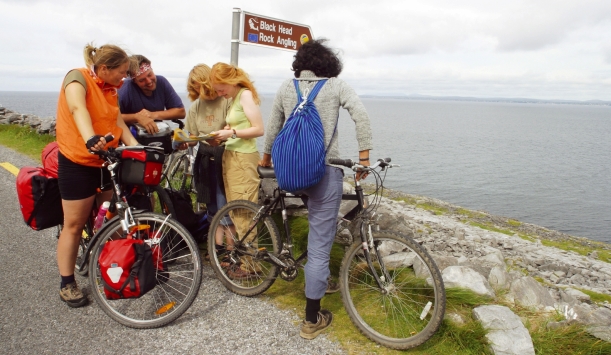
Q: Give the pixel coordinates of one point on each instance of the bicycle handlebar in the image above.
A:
(103, 153)
(383, 163)
(180, 124)
(343, 162)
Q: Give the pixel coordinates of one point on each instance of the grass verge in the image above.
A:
(24, 140)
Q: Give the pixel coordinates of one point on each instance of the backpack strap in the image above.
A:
(310, 98)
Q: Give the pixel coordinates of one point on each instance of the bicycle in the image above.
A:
(149, 198)
(391, 288)
(178, 284)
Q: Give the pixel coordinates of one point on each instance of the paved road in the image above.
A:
(34, 321)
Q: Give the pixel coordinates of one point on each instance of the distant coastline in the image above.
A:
(492, 99)
(515, 100)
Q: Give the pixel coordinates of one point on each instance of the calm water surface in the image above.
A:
(539, 163)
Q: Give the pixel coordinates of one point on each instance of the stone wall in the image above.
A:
(42, 125)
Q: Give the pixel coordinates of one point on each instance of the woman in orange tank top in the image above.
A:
(87, 110)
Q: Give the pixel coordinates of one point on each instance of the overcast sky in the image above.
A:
(552, 49)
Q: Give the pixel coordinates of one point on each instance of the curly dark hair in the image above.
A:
(315, 56)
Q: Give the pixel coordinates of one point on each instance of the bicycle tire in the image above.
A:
(175, 290)
(83, 244)
(414, 290)
(244, 271)
(162, 201)
(168, 163)
(178, 173)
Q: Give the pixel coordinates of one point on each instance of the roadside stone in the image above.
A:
(498, 277)
(464, 277)
(602, 332)
(12, 117)
(397, 260)
(444, 261)
(578, 295)
(455, 318)
(529, 293)
(47, 126)
(506, 333)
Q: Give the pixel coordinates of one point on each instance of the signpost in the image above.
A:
(258, 30)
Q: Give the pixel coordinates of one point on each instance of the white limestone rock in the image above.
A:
(506, 333)
(464, 277)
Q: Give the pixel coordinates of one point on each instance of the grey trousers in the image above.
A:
(324, 200)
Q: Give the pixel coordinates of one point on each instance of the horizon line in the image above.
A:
(431, 97)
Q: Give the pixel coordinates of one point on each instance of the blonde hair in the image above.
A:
(200, 74)
(223, 73)
(110, 55)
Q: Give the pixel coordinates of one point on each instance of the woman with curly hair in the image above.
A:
(314, 62)
(206, 115)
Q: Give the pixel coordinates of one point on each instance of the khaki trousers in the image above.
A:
(241, 183)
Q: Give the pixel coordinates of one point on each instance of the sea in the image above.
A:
(542, 163)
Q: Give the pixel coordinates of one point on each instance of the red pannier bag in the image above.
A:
(160, 249)
(127, 269)
(49, 159)
(141, 165)
(39, 198)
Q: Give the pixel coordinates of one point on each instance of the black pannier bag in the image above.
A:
(141, 165)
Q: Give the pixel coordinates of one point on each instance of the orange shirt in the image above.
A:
(103, 107)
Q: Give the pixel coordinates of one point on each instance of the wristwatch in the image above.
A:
(234, 136)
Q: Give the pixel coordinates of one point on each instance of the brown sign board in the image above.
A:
(270, 32)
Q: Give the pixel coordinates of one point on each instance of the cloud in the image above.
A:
(438, 47)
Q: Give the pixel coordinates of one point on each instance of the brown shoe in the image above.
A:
(332, 286)
(235, 272)
(72, 296)
(311, 330)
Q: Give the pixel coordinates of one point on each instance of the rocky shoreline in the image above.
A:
(507, 261)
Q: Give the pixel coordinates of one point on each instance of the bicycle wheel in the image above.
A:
(410, 307)
(240, 265)
(176, 287)
(178, 173)
(83, 243)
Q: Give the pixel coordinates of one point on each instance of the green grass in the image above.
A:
(491, 228)
(569, 245)
(595, 296)
(24, 140)
(567, 340)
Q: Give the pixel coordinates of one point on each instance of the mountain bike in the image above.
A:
(391, 288)
(178, 284)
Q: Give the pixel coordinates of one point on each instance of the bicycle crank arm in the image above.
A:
(276, 261)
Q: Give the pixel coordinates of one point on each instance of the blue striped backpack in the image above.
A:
(299, 150)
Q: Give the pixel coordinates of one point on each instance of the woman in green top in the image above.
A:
(244, 125)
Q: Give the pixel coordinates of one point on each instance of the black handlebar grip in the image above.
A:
(109, 138)
(344, 162)
(180, 123)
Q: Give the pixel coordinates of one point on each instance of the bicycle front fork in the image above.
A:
(370, 246)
